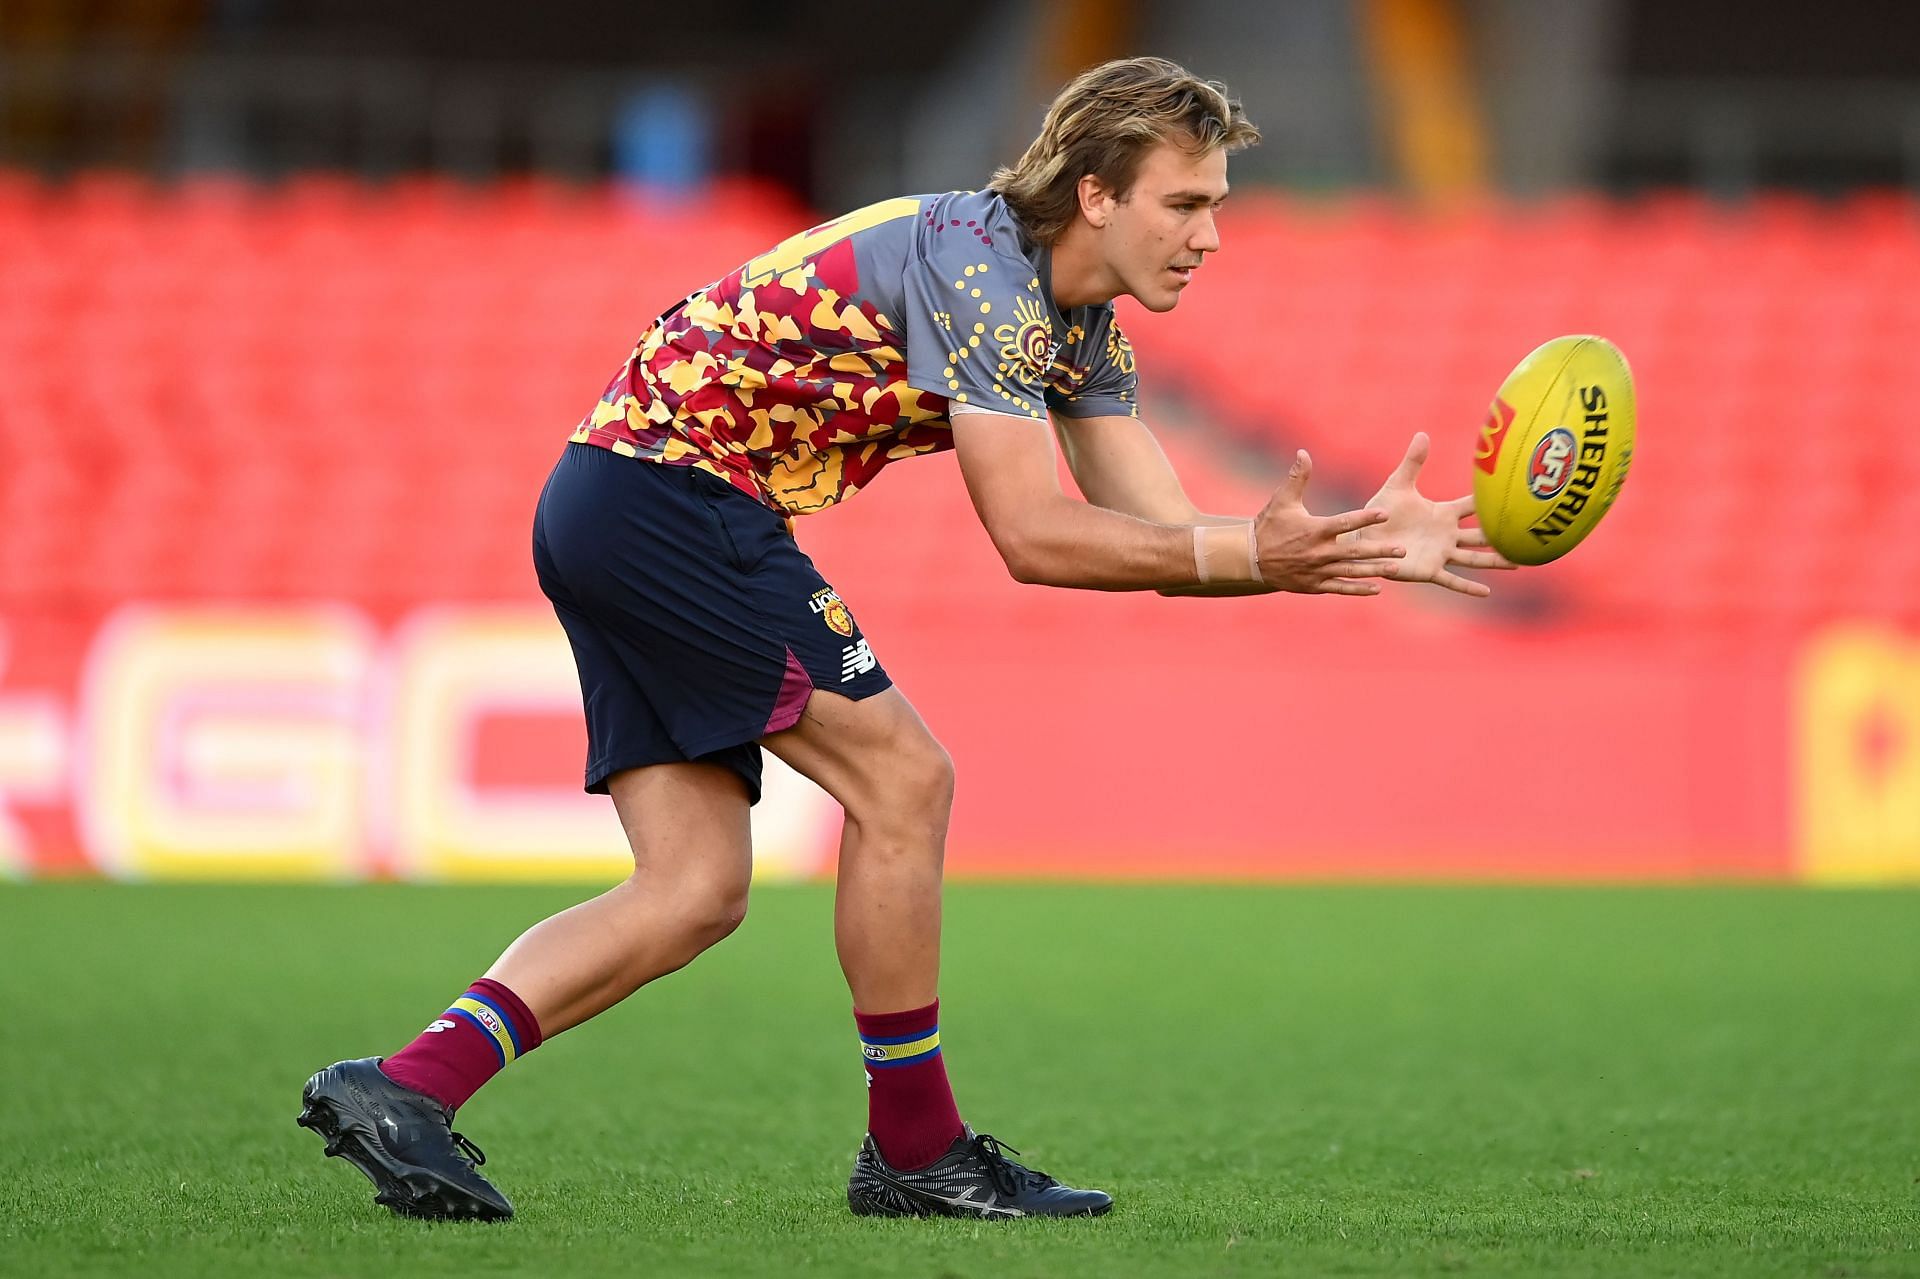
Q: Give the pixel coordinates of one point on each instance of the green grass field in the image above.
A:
(1271, 1080)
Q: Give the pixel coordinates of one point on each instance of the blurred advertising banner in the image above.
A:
(445, 743)
(276, 742)
(1857, 755)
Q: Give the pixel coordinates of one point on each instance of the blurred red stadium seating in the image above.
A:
(219, 390)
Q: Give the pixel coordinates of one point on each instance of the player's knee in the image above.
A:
(711, 909)
(725, 913)
(705, 904)
(934, 779)
(915, 793)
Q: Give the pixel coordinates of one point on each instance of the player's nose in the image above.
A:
(1206, 234)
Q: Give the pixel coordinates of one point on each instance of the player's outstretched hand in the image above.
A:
(1430, 531)
(1320, 555)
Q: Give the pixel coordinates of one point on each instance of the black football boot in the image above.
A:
(973, 1179)
(404, 1142)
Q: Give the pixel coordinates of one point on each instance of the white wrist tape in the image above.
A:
(1225, 553)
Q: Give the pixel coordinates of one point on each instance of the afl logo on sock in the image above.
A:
(874, 1052)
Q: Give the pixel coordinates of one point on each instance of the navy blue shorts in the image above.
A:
(696, 622)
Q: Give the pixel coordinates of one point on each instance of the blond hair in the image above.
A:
(1102, 123)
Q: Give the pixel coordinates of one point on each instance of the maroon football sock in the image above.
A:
(486, 1029)
(910, 1109)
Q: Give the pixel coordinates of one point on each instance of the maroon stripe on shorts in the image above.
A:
(795, 686)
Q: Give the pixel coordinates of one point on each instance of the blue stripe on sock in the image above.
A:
(480, 1026)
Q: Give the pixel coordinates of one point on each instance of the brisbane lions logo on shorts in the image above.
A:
(1552, 464)
(832, 612)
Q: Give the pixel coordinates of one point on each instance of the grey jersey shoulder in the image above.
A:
(951, 227)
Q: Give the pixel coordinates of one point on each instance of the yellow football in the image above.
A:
(1555, 448)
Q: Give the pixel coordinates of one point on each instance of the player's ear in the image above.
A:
(1096, 201)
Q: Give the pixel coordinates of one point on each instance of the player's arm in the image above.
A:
(1050, 539)
(1120, 466)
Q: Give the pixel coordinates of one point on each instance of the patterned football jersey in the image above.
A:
(800, 375)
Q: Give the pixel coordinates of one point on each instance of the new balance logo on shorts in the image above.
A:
(856, 659)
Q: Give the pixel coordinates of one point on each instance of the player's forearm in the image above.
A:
(1071, 544)
(1218, 589)
(1214, 590)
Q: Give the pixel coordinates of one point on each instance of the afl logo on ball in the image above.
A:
(1551, 465)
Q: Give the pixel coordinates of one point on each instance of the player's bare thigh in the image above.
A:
(685, 819)
(874, 756)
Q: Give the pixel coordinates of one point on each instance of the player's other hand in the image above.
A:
(1320, 555)
(1429, 531)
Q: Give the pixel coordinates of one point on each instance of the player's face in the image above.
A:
(1155, 238)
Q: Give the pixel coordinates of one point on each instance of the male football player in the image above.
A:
(702, 633)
